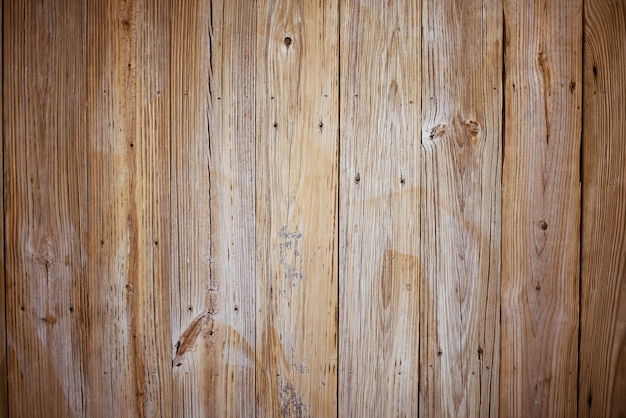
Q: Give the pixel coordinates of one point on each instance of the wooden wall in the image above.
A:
(313, 208)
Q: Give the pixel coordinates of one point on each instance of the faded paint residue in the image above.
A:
(290, 257)
(291, 402)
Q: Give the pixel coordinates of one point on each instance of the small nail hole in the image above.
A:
(287, 41)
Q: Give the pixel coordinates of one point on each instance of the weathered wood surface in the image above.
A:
(602, 386)
(4, 401)
(296, 207)
(379, 270)
(541, 208)
(212, 198)
(44, 122)
(461, 137)
(420, 208)
(126, 221)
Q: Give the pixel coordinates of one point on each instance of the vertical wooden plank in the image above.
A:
(380, 269)
(421, 209)
(461, 99)
(44, 123)
(297, 159)
(213, 228)
(603, 298)
(127, 221)
(541, 208)
(4, 400)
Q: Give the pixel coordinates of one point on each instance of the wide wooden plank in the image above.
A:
(380, 270)
(126, 226)
(603, 289)
(541, 208)
(461, 99)
(421, 209)
(213, 219)
(296, 207)
(44, 47)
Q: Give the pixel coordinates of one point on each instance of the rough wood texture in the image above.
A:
(312, 208)
(4, 400)
(213, 229)
(380, 270)
(44, 120)
(603, 298)
(127, 207)
(461, 134)
(541, 208)
(296, 171)
(420, 208)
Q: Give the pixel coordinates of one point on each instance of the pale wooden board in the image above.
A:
(421, 204)
(603, 291)
(213, 229)
(380, 270)
(296, 207)
(125, 287)
(45, 55)
(461, 154)
(541, 208)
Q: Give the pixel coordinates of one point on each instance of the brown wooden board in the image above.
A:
(420, 208)
(126, 229)
(44, 125)
(213, 228)
(602, 385)
(4, 401)
(296, 207)
(541, 208)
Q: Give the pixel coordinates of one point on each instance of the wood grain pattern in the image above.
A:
(4, 400)
(4, 394)
(213, 230)
(44, 119)
(541, 208)
(380, 270)
(313, 208)
(603, 289)
(425, 191)
(461, 134)
(296, 199)
(126, 228)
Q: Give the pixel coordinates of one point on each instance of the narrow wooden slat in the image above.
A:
(44, 123)
(461, 96)
(4, 400)
(380, 270)
(127, 222)
(296, 188)
(213, 228)
(541, 208)
(603, 298)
